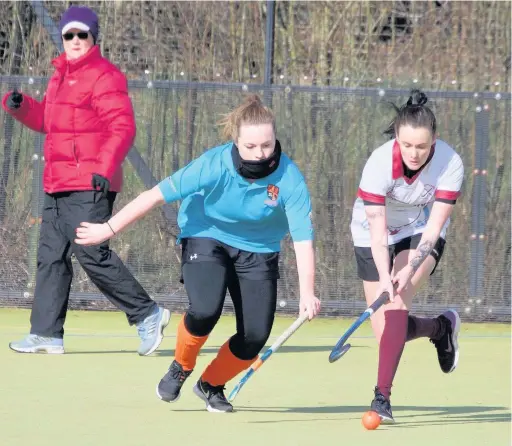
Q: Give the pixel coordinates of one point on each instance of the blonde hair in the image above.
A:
(251, 112)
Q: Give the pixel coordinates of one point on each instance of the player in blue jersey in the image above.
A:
(239, 200)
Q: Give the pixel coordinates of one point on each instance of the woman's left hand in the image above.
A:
(311, 304)
(402, 279)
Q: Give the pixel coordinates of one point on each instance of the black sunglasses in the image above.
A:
(82, 35)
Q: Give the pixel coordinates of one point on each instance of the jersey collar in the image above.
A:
(227, 160)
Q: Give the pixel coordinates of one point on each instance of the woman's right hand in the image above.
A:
(386, 284)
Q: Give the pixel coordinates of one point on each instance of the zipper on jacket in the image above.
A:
(76, 157)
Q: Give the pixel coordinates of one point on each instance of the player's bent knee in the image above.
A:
(248, 351)
(252, 349)
(249, 346)
(200, 322)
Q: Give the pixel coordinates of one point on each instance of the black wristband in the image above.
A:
(113, 232)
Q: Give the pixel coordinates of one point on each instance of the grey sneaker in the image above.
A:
(38, 344)
(151, 331)
(169, 387)
(213, 396)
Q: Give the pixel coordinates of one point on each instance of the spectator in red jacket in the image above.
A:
(89, 123)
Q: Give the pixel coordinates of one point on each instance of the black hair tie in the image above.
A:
(421, 100)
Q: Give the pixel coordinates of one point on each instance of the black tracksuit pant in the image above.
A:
(62, 214)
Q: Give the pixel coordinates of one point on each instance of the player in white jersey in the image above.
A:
(406, 195)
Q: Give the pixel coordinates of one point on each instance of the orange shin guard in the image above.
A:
(187, 346)
(224, 367)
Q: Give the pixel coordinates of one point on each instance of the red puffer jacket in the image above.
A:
(88, 119)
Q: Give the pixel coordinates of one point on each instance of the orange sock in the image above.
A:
(187, 346)
(224, 367)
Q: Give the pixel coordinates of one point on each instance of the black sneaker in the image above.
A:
(447, 346)
(169, 387)
(213, 396)
(382, 406)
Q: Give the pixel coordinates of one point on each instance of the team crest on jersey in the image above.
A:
(272, 194)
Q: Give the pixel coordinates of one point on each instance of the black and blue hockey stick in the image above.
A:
(341, 348)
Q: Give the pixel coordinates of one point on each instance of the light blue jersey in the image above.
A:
(218, 203)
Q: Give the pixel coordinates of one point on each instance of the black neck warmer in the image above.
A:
(254, 170)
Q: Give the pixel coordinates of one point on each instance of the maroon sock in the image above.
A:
(423, 327)
(391, 346)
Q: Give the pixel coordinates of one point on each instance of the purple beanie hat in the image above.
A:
(81, 18)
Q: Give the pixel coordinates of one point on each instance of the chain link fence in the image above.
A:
(329, 132)
(330, 117)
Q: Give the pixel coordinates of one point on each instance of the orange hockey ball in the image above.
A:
(371, 420)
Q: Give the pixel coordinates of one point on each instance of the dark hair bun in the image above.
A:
(414, 113)
(417, 98)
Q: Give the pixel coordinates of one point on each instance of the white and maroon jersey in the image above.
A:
(408, 201)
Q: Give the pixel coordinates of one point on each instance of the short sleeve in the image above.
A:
(298, 212)
(376, 180)
(450, 181)
(192, 178)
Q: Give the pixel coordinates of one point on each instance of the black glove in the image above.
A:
(99, 182)
(14, 100)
